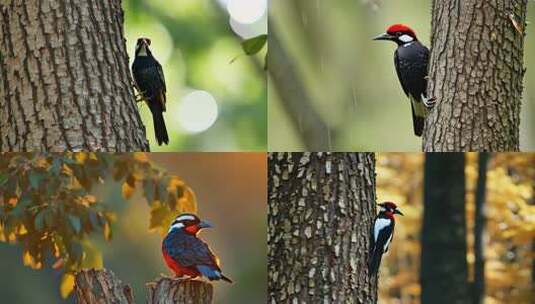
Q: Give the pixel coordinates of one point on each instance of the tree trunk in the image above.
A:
(479, 230)
(320, 210)
(444, 270)
(167, 291)
(296, 101)
(476, 72)
(101, 286)
(64, 78)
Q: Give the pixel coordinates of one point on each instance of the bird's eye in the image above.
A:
(398, 33)
(148, 41)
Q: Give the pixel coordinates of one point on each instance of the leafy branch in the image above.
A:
(48, 206)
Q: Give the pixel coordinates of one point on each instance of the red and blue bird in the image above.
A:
(186, 254)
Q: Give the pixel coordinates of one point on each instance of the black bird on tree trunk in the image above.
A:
(150, 83)
(411, 59)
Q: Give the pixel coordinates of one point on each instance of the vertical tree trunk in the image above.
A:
(479, 229)
(167, 291)
(320, 210)
(64, 78)
(476, 72)
(444, 270)
(100, 287)
(296, 101)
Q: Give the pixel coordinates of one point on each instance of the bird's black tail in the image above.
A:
(374, 261)
(417, 122)
(159, 124)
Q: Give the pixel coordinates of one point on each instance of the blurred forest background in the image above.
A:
(212, 104)
(349, 81)
(230, 190)
(508, 236)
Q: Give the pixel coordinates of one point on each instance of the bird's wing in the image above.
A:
(160, 74)
(383, 232)
(411, 67)
(190, 251)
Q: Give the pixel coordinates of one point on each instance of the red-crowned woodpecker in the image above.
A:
(411, 59)
(381, 235)
(186, 254)
(150, 83)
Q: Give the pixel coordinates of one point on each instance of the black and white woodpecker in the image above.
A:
(150, 84)
(381, 235)
(411, 59)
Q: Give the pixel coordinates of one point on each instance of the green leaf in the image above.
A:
(35, 179)
(3, 178)
(148, 188)
(75, 223)
(39, 221)
(254, 45)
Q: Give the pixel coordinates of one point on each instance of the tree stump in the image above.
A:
(168, 291)
(101, 286)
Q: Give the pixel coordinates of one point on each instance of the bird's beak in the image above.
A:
(384, 36)
(204, 224)
(398, 212)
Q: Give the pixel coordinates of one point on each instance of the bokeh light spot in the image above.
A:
(246, 11)
(197, 111)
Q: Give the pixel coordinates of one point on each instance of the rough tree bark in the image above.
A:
(167, 291)
(103, 287)
(479, 230)
(64, 78)
(320, 210)
(100, 287)
(476, 72)
(444, 270)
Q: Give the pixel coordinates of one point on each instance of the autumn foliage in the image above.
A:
(509, 232)
(49, 204)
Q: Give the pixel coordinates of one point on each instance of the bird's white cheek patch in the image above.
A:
(405, 38)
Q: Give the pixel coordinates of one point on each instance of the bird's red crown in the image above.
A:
(395, 28)
(390, 205)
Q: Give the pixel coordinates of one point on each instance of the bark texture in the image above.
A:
(320, 210)
(476, 72)
(479, 231)
(444, 270)
(169, 291)
(64, 78)
(101, 287)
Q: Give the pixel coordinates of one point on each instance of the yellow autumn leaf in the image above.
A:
(66, 285)
(188, 202)
(28, 260)
(141, 157)
(128, 190)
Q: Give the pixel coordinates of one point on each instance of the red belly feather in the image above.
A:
(179, 270)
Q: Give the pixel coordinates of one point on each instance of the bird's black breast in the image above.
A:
(188, 250)
(411, 61)
(148, 76)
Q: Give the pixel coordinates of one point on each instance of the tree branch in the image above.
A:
(166, 290)
(101, 286)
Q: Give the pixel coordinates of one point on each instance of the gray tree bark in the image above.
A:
(64, 78)
(170, 291)
(444, 269)
(479, 230)
(101, 287)
(320, 210)
(476, 73)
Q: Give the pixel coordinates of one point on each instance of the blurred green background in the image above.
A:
(231, 192)
(212, 104)
(351, 80)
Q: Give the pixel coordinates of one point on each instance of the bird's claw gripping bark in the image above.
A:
(429, 102)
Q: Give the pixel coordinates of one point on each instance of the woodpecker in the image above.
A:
(150, 83)
(186, 254)
(411, 59)
(381, 235)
